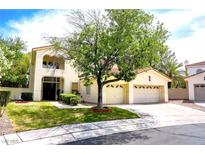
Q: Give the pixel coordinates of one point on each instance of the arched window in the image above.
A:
(198, 71)
(53, 62)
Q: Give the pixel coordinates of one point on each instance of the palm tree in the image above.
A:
(170, 66)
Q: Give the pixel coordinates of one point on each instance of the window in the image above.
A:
(88, 90)
(149, 78)
(198, 71)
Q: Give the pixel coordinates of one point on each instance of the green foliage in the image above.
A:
(26, 96)
(128, 39)
(43, 115)
(72, 99)
(75, 100)
(170, 66)
(4, 99)
(14, 64)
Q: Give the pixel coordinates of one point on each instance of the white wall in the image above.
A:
(16, 92)
(197, 79)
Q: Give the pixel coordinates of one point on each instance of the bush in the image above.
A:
(4, 99)
(70, 98)
(75, 100)
(26, 96)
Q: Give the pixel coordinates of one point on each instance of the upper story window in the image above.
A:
(198, 71)
(53, 62)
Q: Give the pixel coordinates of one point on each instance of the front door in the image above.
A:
(49, 91)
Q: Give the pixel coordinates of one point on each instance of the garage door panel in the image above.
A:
(115, 94)
(146, 94)
(199, 91)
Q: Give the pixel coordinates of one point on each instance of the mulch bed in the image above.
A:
(105, 109)
(189, 104)
(5, 125)
(22, 102)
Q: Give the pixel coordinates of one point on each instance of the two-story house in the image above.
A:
(196, 81)
(50, 73)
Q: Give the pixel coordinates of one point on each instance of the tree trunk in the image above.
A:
(100, 87)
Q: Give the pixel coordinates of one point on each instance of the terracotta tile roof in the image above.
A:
(196, 64)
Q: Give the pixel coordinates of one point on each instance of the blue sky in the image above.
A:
(187, 28)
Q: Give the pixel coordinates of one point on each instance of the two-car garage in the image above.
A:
(149, 86)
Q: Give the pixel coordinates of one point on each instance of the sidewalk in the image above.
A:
(74, 132)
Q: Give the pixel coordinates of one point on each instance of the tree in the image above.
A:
(170, 66)
(108, 46)
(13, 63)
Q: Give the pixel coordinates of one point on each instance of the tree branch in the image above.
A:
(109, 81)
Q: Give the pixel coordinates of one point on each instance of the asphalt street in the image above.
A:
(171, 135)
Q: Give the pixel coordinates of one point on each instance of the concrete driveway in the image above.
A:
(168, 114)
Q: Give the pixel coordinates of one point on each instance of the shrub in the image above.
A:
(70, 98)
(4, 99)
(27, 96)
(75, 100)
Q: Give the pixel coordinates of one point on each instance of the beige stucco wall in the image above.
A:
(141, 79)
(156, 80)
(197, 79)
(68, 74)
(16, 92)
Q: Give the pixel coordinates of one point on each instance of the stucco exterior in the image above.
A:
(141, 79)
(193, 80)
(37, 72)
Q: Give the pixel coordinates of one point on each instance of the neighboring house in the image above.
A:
(196, 81)
(51, 72)
(149, 86)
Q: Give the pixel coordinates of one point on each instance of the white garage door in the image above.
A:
(146, 94)
(199, 91)
(114, 94)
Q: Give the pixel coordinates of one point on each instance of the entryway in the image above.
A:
(51, 87)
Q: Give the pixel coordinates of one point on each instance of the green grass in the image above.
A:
(38, 115)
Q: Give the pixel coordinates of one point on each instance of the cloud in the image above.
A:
(187, 29)
(45, 23)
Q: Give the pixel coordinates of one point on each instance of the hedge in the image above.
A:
(27, 96)
(70, 98)
(4, 99)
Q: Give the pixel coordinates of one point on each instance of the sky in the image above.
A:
(186, 27)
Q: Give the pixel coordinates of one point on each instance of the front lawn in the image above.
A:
(43, 115)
